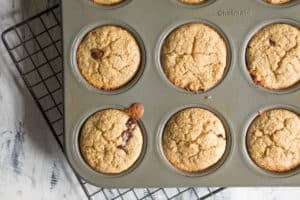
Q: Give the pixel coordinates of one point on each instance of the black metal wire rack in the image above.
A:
(35, 47)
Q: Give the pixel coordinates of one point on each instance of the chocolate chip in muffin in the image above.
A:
(97, 54)
(122, 147)
(272, 42)
(126, 135)
(131, 123)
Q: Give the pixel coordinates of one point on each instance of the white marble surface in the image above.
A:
(31, 164)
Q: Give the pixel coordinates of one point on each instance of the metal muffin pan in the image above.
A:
(234, 99)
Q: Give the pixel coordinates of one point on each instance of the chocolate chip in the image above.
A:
(126, 135)
(131, 123)
(97, 54)
(272, 42)
(123, 148)
(220, 136)
(105, 151)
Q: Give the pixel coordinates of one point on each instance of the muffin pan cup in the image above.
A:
(178, 24)
(80, 36)
(235, 98)
(243, 143)
(255, 29)
(210, 169)
(78, 153)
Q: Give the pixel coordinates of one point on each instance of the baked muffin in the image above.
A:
(191, 1)
(108, 57)
(194, 139)
(278, 2)
(273, 140)
(111, 141)
(107, 2)
(273, 56)
(194, 57)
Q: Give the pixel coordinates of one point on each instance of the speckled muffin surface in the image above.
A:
(107, 2)
(273, 140)
(194, 139)
(273, 56)
(110, 141)
(194, 57)
(108, 57)
(192, 1)
(278, 2)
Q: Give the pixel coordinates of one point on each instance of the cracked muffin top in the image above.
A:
(108, 57)
(111, 141)
(192, 1)
(194, 57)
(194, 139)
(273, 140)
(107, 2)
(273, 56)
(277, 2)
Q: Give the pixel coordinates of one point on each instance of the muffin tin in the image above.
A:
(235, 99)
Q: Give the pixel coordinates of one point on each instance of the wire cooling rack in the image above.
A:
(35, 47)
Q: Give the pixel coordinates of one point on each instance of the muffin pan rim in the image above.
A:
(212, 169)
(243, 142)
(82, 34)
(171, 28)
(243, 51)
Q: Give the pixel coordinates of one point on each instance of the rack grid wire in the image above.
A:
(35, 47)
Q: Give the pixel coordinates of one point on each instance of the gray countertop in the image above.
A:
(32, 166)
